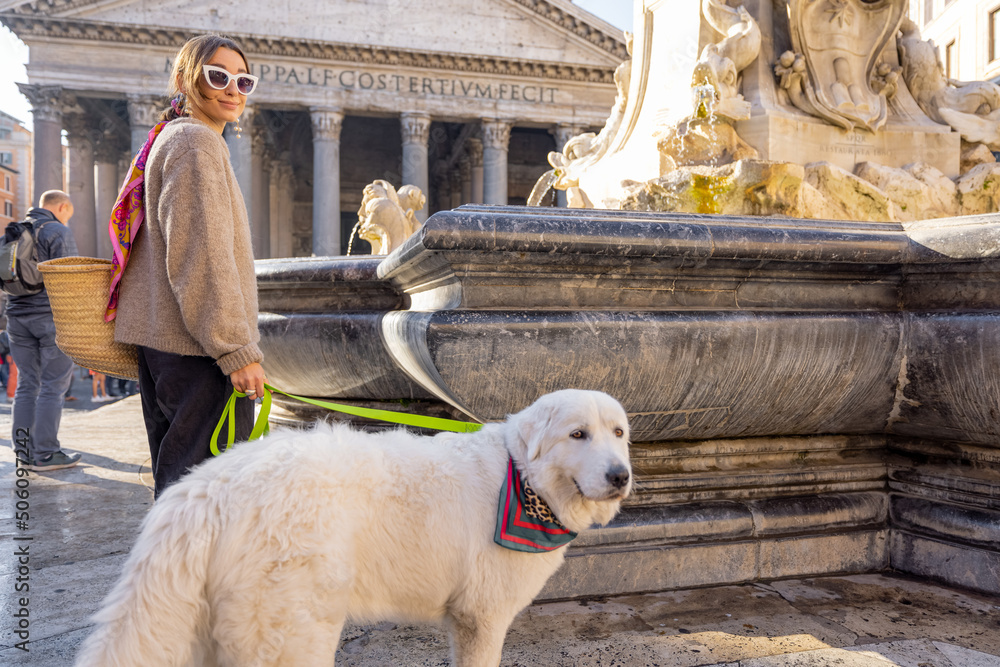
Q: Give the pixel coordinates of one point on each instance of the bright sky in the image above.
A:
(14, 54)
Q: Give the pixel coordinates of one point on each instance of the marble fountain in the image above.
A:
(791, 281)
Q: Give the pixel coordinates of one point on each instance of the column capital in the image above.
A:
(107, 149)
(144, 110)
(326, 123)
(47, 102)
(78, 128)
(280, 166)
(416, 128)
(563, 132)
(475, 149)
(496, 133)
(249, 113)
(261, 142)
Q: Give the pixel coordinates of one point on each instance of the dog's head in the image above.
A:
(572, 446)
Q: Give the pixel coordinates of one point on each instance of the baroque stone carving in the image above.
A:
(707, 137)
(582, 150)
(720, 64)
(387, 217)
(837, 44)
(972, 109)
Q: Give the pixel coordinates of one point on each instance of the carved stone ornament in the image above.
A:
(496, 134)
(720, 64)
(839, 42)
(172, 38)
(971, 108)
(387, 217)
(326, 124)
(144, 110)
(415, 128)
(47, 102)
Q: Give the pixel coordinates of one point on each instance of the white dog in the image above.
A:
(259, 556)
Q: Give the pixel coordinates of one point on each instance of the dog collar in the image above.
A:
(524, 521)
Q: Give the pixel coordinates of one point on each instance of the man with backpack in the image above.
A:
(44, 372)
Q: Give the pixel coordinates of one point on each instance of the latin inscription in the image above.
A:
(353, 79)
(855, 144)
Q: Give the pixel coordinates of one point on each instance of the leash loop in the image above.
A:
(261, 426)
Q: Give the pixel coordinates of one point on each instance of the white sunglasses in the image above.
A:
(219, 78)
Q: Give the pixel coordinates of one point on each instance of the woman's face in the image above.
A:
(219, 107)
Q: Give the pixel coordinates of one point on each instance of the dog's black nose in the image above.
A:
(618, 477)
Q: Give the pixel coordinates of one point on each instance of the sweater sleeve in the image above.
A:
(195, 211)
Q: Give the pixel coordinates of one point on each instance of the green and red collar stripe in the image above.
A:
(524, 521)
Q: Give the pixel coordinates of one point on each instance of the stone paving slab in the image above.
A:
(84, 520)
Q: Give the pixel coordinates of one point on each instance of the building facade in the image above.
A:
(967, 34)
(15, 169)
(463, 100)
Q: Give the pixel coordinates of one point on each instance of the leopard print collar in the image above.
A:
(525, 522)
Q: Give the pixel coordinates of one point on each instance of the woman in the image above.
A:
(184, 290)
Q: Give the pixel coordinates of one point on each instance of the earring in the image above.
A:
(239, 130)
(178, 105)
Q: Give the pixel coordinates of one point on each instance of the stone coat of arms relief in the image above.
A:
(837, 45)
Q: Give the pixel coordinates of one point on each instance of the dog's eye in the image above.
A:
(619, 432)
(578, 434)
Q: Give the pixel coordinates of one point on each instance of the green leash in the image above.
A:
(260, 428)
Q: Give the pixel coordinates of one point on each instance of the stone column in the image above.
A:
(326, 125)
(496, 139)
(107, 185)
(241, 157)
(416, 131)
(455, 180)
(260, 193)
(81, 183)
(563, 133)
(143, 112)
(282, 186)
(465, 173)
(46, 113)
(475, 148)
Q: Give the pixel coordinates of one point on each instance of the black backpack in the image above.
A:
(19, 274)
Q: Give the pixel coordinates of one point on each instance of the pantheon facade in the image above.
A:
(463, 99)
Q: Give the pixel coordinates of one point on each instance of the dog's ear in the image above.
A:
(530, 427)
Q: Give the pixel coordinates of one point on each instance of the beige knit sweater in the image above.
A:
(189, 285)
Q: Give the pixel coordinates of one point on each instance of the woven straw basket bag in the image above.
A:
(78, 291)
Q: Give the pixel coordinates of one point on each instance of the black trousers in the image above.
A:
(182, 400)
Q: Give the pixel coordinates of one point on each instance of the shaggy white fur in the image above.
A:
(258, 557)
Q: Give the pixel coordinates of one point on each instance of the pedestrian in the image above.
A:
(98, 393)
(43, 371)
(184, 291)
(68, 396)
(4, 354)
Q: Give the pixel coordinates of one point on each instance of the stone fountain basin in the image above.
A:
(320, 323)
(702, 326)
(806, 397)
(706, 326)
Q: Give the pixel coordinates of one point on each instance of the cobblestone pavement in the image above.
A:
(82, 522)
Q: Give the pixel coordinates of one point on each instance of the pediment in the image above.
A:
(538, 30)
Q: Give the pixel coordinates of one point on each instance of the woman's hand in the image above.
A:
(249, 380)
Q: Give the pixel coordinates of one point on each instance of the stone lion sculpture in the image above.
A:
(387, 217)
